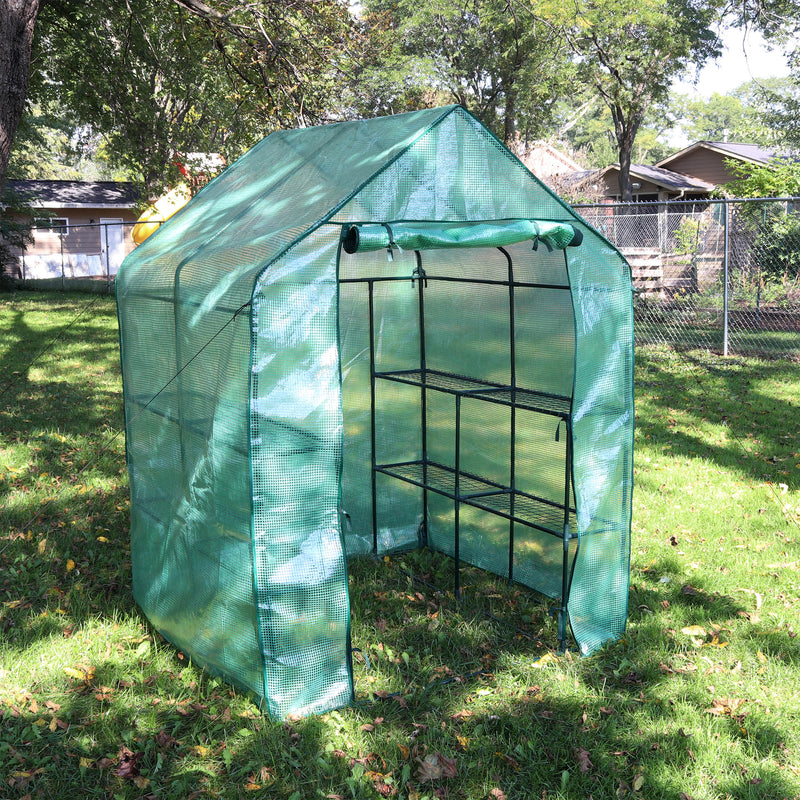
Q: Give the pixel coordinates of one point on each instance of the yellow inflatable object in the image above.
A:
(160, 211)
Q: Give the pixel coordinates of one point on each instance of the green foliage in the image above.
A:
(722, 118)
(687, 235)
(629, 52)
(44, 147)
(779, 178)
(497, 60)
(778, 248)
(586, 127)
(779, 22)
(155, 78)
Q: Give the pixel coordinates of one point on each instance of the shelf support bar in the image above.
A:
(513, 437)
(371, 290)
(565, 567)
(457, 493)
(423, 530)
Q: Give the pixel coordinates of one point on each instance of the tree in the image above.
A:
(779, 22)
(500, 61)
(51, 144)
(719, 118)
(778, 178)
(160, 76)
(630, 51)
(742, 115)
(587, 129)
(17, 21)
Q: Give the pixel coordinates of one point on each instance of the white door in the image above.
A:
(112, 244)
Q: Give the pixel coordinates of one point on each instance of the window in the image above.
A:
(52, 225)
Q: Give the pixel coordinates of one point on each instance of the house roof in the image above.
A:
(673, 181)
(76, 194)
(740, 150)
(544, 160)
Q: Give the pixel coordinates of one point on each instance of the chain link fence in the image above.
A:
(722, 275)
(58, 255)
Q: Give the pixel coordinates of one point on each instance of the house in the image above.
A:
(690, 174)
(653, 184)
(546, 161)
(707, 161)
(80, 228)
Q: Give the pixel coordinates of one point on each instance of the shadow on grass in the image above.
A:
(707, 390)
(471, 708)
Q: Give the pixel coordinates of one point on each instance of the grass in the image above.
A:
(700, 699)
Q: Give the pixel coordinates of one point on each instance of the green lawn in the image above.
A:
(470, 700)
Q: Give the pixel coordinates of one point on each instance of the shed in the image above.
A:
(361, 338)
(83, 229)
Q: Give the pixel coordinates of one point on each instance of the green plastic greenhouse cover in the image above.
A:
(294, 398)
(429, 236)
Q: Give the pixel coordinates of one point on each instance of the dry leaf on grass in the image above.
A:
(584, 762)
(435, 766)
(128, 763)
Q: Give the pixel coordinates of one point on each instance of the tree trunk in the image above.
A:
(625, 130)
(510, 115)
(17, 20)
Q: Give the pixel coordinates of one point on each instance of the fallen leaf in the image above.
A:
(691, 591)
(128, 761)
(694, 630)
(435, 766)
(547, 658)
(510, 760)
(724, 706)
(80, 673)
(584, 762)
(165, 741)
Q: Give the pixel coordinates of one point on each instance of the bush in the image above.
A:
(777, 247)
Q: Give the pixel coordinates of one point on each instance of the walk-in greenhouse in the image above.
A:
(362, 338)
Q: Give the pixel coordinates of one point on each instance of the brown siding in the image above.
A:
(610, 185)
(84, 231)
(704, 164)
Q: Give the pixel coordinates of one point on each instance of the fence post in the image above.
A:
(108, 261)
(61, 242)
(726, 273)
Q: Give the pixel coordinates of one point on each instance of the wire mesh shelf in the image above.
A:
(450, 383)
(484, 494)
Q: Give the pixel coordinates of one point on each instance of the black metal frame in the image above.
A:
(464, 488)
